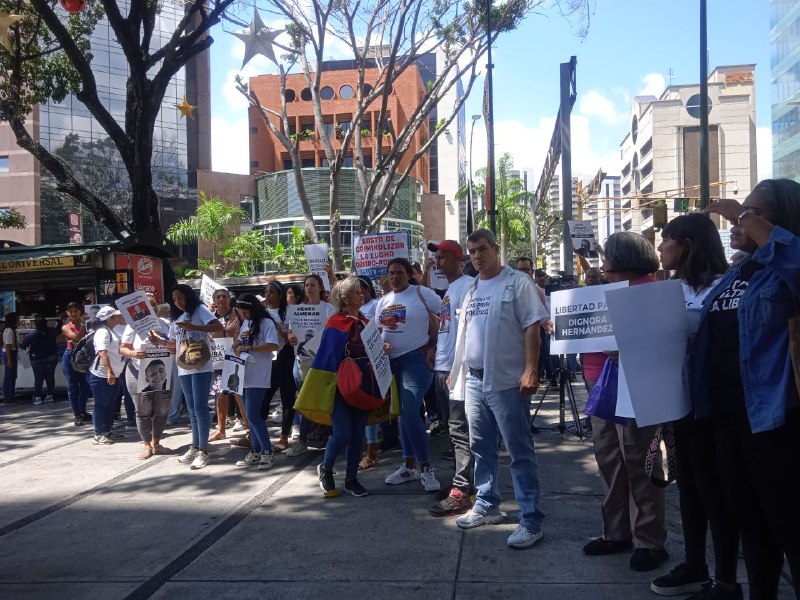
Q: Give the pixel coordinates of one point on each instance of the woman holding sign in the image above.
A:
(258, 340)
(231, 322)
(744, 370)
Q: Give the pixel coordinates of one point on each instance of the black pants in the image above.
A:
(702, 501)
(283, 380)
(44, 371)
(757, 471)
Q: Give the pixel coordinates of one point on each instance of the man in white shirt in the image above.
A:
(449, 262)
(494, 370)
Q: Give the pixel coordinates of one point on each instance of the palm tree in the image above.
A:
(215, 221)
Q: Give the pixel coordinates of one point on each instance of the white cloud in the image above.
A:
(654, 84)
(764, 153)
(230, 144)
(595, 104)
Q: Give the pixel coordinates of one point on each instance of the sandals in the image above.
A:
(367, 463)
(217, 436)
(146, 453)
(162, 450)
(281, 445)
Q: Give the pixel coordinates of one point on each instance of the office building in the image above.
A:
(785, 80)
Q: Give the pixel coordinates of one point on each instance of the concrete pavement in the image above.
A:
(93, 522)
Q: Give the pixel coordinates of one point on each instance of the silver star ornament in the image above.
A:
(258, 40)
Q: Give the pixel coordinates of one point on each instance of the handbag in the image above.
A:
(192, 355)
(357, 383)
(602, 402)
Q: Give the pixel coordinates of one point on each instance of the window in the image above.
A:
(287, 165)
(4, 164)
(326, 93)
(290, 95)
(308, 163)
(305, 95)
(346, 92)
(254, 130)
(348, 161)
(248, 205)
(253, 164)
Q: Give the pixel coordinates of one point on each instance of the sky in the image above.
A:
(630, 49)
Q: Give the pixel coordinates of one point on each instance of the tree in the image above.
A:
(11, 218)
(49, 57)
(386, 37)
(215, 222)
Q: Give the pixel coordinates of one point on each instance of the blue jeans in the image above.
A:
(503, 413)
(196, 388)
(348, 430)
(372, 433)
(413, 380)
(177, 396)
(10, 377)
(77, 385)
(105, 402)
(253, 399)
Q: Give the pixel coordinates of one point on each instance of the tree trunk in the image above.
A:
(336, 225)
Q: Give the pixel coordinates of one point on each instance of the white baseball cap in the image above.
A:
(105, 313)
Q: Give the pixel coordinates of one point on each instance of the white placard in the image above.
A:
(581, 321)
(371, 253)
(583, 240)
(438, 281)
(373, 344)
(232, 379)
(624, 404)
(307, 325)
(219, 348)
(138, 313)
(207, 288)
(155, 371)
(652, 329)
(317, 257)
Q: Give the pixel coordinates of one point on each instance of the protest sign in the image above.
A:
(219, 348)
(138, 313)
(581, 322)
(317, 257)
(307, 325)
(371, 253)
(438, 281)
(373, 344)
(155, 371)
(232, 379)
(652, 328)
(583, 240)
(207, 288)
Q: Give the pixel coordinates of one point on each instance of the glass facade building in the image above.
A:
(785, 79)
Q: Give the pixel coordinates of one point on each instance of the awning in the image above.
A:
(49, 267)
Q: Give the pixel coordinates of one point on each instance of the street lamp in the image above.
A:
(471, 137)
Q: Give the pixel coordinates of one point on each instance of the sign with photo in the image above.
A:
(307, 326)
(138, 313)
(583, 240)
(373, 344)
(219, 348)
(581, 321)
(155, 371)
(371, 253)
(317, 257)
(232, 379)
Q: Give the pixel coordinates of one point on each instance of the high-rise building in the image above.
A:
(661, 151)
(67, 129)
(785, 79)
(607, 207)
(555, 251)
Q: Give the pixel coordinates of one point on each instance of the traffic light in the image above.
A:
(680, 205)
(660, 214)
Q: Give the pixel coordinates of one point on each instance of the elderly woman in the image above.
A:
(633, 508)
(742, 379)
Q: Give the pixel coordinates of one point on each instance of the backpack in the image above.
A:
(84, 353)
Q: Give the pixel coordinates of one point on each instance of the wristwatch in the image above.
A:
(745, 212)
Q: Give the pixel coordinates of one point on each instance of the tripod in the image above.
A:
(565, 392)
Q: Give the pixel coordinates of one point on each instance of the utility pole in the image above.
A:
(705, 187)
(567, 86)
(490, 179)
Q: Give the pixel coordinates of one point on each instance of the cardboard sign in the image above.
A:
(373, 344)
(371, 253)
(581, 321)
(583, 240)
(317, 257)
(207, 288)
(233, 373)
(307, 325)
(438, 281)
(155, 371)
(219, 348)
(138, 313)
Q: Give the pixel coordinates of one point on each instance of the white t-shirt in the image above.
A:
(368, 310)
(258, 368)
(694, 302)
(129, 336)
(8, 338)
(201, 316)
(448, 322)
(403, 319)
(105, 339)
(476, 321)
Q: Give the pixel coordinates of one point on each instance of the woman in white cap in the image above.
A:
(104, 373)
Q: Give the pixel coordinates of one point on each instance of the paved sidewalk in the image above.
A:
(93, 522)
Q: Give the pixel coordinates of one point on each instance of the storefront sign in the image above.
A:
(75, 228)
(143, 271)
(43, 263)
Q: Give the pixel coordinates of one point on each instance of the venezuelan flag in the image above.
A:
(316, 398)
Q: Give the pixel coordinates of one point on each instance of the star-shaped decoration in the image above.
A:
(258, 39)
(186, 109)
(6, 21)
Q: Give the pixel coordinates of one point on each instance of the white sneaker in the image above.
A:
(276, 416)
(190, 455)
(238, 426)
(295, 432)
(297, 449)
(429, 481)
(524, 538)
(267, 460)
(402, 475)
(201, 460)
(251, 459)
(476, 518)
(48, 398)
(38, 400)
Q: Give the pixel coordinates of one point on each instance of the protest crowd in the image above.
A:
(359, 370)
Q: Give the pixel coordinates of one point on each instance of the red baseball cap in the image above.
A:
(448, 246)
